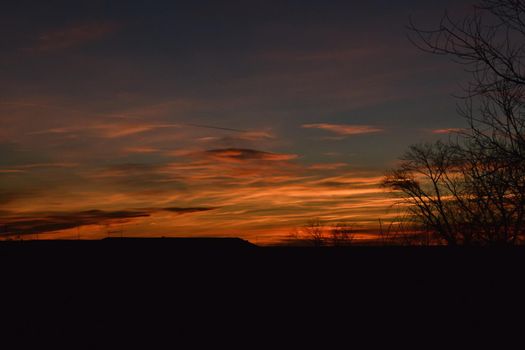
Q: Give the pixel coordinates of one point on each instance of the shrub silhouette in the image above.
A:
(319, 234)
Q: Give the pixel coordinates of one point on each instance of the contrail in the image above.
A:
(106, 115)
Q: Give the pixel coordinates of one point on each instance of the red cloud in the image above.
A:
(344, 129)
(109, 130)
(447, 131)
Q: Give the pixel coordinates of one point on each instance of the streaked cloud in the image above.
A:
(39, 223)
(141, 150)
(109, 130)
(52, 222)
(36, 166)
(256, 135)
(344, 129)
(58, 165)
(11, 171)
(327, 166)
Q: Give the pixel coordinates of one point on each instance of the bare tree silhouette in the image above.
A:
(314, 231)
(471, 189)
(404, 231)
(319, 234)
(342, 234)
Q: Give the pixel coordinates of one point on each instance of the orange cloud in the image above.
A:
(250, 198)
(344, 129)
(119, 130)
(255, 193)
(141, 150)
(327, 166)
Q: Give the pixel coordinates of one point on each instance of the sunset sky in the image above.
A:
(211, 118)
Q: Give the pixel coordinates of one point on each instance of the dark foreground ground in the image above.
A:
(121, 292)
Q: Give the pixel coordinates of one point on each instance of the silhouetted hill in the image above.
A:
(148, 290)
(182, 242)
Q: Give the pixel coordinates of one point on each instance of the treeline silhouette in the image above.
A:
(398, 232)
(470, 188)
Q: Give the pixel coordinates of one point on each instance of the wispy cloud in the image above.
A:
(255, 135)
(447, 131)
(59, 165)
(36, 166)
(327, 166)
(344, 129)
(11, 171)
(141, 150)
(109, 130)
